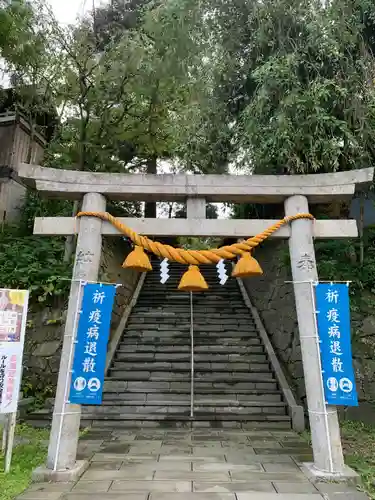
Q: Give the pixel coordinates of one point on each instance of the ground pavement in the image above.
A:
(192, 465)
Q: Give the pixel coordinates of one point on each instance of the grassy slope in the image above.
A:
(359, 448)
(26, 456)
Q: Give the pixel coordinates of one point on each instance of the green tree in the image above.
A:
(295, 83)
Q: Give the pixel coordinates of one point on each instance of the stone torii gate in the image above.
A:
(296, 192)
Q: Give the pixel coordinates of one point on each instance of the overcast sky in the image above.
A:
(66, 11)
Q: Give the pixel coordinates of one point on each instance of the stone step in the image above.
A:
(170, 423)
(144, 311)
(200, 338)
(185, 415)
(204, 376)
(213, 297)
(145, 304)
(239, 343)
(250, 397)
(147, 386)
(233, 334)
(112, 404)
(252, 346)
(214, 411)
(186, 356)
(178, 319)
(214, 330)
(186, 424)
(124, 387)
(174, 317)
(200, 314)
(199, 366)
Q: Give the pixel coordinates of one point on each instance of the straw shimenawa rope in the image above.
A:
(194, 257)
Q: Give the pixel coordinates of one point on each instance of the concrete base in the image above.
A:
(43, 475)
(348, 475)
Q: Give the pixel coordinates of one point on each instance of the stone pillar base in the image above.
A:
(43, 475)
(348, 475)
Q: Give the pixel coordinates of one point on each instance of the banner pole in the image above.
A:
(325, 412)
(10, 440)
(70, 363)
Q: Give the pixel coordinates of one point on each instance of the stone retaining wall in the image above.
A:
(46, 327)
(274, 299)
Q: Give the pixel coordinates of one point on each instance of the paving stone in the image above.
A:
(193, 496)
(295, 445)
(245, 448)
(92, 486)
(50, 487)
(192, 458)
(116, 448)
(301, 458)
(291, 487)
(209, 437)
(213, 445)
(85, 455)
(223, 467)
(265, 444)
(179, 447)
(283, 434)
(258, 434)
(354, 495)
(287, 467)
(91, 441)
(207, 452)
(226, 487)
(151, 486)
(105, 465)
(96, 435)
(268, 476)
(192, 476)
(239, 458)
(149, 437)
(284, 451)
(275, 496)
(108, 496)
(175, 442)
(172, 450)
(164, 465)
(137, 472)
(108, 457)
(40, 495)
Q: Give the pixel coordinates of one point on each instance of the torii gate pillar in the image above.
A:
(324, 424)
(63, 443)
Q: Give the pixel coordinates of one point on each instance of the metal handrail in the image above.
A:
(191, 357)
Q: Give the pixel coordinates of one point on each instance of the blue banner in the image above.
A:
(91, 344)
(333, 319)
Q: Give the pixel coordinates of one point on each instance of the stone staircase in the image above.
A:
(149, 381)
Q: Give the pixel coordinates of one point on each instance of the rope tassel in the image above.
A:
(138, 260)
(193, 281)
(247, 266)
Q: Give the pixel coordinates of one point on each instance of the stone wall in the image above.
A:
(273, 296)
(45, 327)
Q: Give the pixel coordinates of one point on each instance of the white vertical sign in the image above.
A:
(13, 313)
